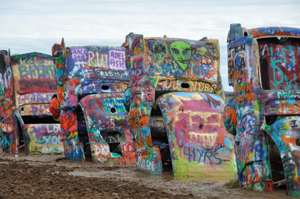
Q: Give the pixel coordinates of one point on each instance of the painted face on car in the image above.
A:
(181, 53)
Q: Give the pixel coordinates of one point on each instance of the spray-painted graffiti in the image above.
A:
(5, 81)
(180, 57)
(117, 60)
(264, 73)
(34, 103)
(107, 128)
(34, 109)
(35, 98)
(28, 81)
(101, 152)
(99, 57)
(7, 106)
(33, 73)
(196, 132)
(44, 138)
(189, 131)
(284, 132)
(281, 61)
(90, 92)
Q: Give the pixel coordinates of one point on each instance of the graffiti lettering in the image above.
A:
(45, 138)
(281, 62)
(117, 60)
(201, 155)
(192, 85)
(36, 72)
(35, 98)
(96, 59)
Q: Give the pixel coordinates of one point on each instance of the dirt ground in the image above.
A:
(51, 177)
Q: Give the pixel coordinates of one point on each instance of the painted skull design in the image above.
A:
(181, 52)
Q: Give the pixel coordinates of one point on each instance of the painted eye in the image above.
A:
(175, 51)
(187, 52)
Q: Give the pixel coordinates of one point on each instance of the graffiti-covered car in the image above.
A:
(176, 107)
(27, 85)
(263, 66)
(7, 106)
(91, 84)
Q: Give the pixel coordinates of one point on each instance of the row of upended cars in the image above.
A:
(157, 103)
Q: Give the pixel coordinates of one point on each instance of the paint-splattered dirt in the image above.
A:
(45, 177)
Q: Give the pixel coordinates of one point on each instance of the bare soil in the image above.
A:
(46, 177)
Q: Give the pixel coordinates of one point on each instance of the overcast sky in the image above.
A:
(34, 25)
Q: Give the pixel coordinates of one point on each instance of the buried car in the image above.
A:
(176, 107)
(263, 68)
(28, 83)
(91, 102)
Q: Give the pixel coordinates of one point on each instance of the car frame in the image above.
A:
(263, 113)
(29, 81)
(91, 89)
(176, 107)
